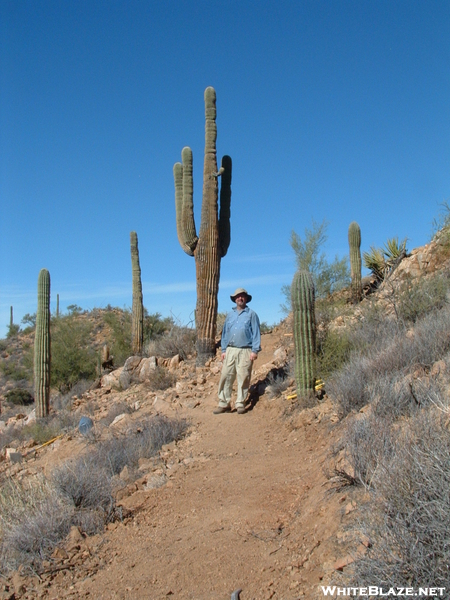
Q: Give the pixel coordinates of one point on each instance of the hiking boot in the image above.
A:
(221, 409)
(240, 410)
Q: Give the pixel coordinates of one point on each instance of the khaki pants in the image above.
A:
(236, 365)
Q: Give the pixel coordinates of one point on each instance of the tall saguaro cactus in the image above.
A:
(354, 242)
(212, 243)
(303, 306)
(137, 322)
(42, 349)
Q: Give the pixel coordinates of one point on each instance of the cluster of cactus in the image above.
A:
(303, 307)
(42, 347)
(137, 322)
(354, 242)
(212, 243)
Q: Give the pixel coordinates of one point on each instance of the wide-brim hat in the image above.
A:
(238, 292)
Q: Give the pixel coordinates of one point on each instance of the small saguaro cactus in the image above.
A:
(303, 306)
(42, 350)
(212, 243)
(354, 242)
(137, 322)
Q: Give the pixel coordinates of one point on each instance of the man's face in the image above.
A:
(241, 300)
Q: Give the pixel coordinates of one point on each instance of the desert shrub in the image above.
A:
(41, 431)
(431, 337)
(19, 396)
(160, 379)
(36, 515)
(13, 330)
(33, 519)
(362, 457)
(391, 352)
(407, 517)
(88, 485)
(12, 369)
(441, 226)
(63, 401)
(179, 340)
(420, 296)
(348, 386)
(142, 440)
(333, 351)
(120, 340)
(29, 319)
(155, 325)
(73, 357)
(328, 277)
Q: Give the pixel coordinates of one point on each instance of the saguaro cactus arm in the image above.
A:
(225, 204)
(184, 202)
(42, 349)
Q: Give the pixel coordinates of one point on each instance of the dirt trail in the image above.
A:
(244, 505)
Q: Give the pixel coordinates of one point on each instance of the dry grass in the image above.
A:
(36, 516)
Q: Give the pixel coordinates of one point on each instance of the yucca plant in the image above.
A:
(381, 260)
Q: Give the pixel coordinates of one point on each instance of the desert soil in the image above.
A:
(243, 502)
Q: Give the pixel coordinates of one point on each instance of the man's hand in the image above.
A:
(253, 356)
(223, 356)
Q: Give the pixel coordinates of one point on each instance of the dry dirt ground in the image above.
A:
(244, 503)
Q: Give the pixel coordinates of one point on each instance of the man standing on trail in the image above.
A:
(241, 342)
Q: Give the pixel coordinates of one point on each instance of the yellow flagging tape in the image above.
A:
(43, 445)
(319, 385)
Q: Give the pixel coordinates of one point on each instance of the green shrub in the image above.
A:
(29, 320)
(12, 369)
(73, 357)
(13, 330)
(333, 351)
(155, 325)
(19, 396)
(120, 340)
(41, 431)
(327, 277)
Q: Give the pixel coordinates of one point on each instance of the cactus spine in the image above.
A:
(42, 357)
(354, 242)
(213, 241)
(302, 297)
(137, 323)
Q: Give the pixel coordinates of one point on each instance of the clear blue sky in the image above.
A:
(335, 109)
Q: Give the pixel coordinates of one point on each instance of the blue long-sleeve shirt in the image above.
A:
(241, 330)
